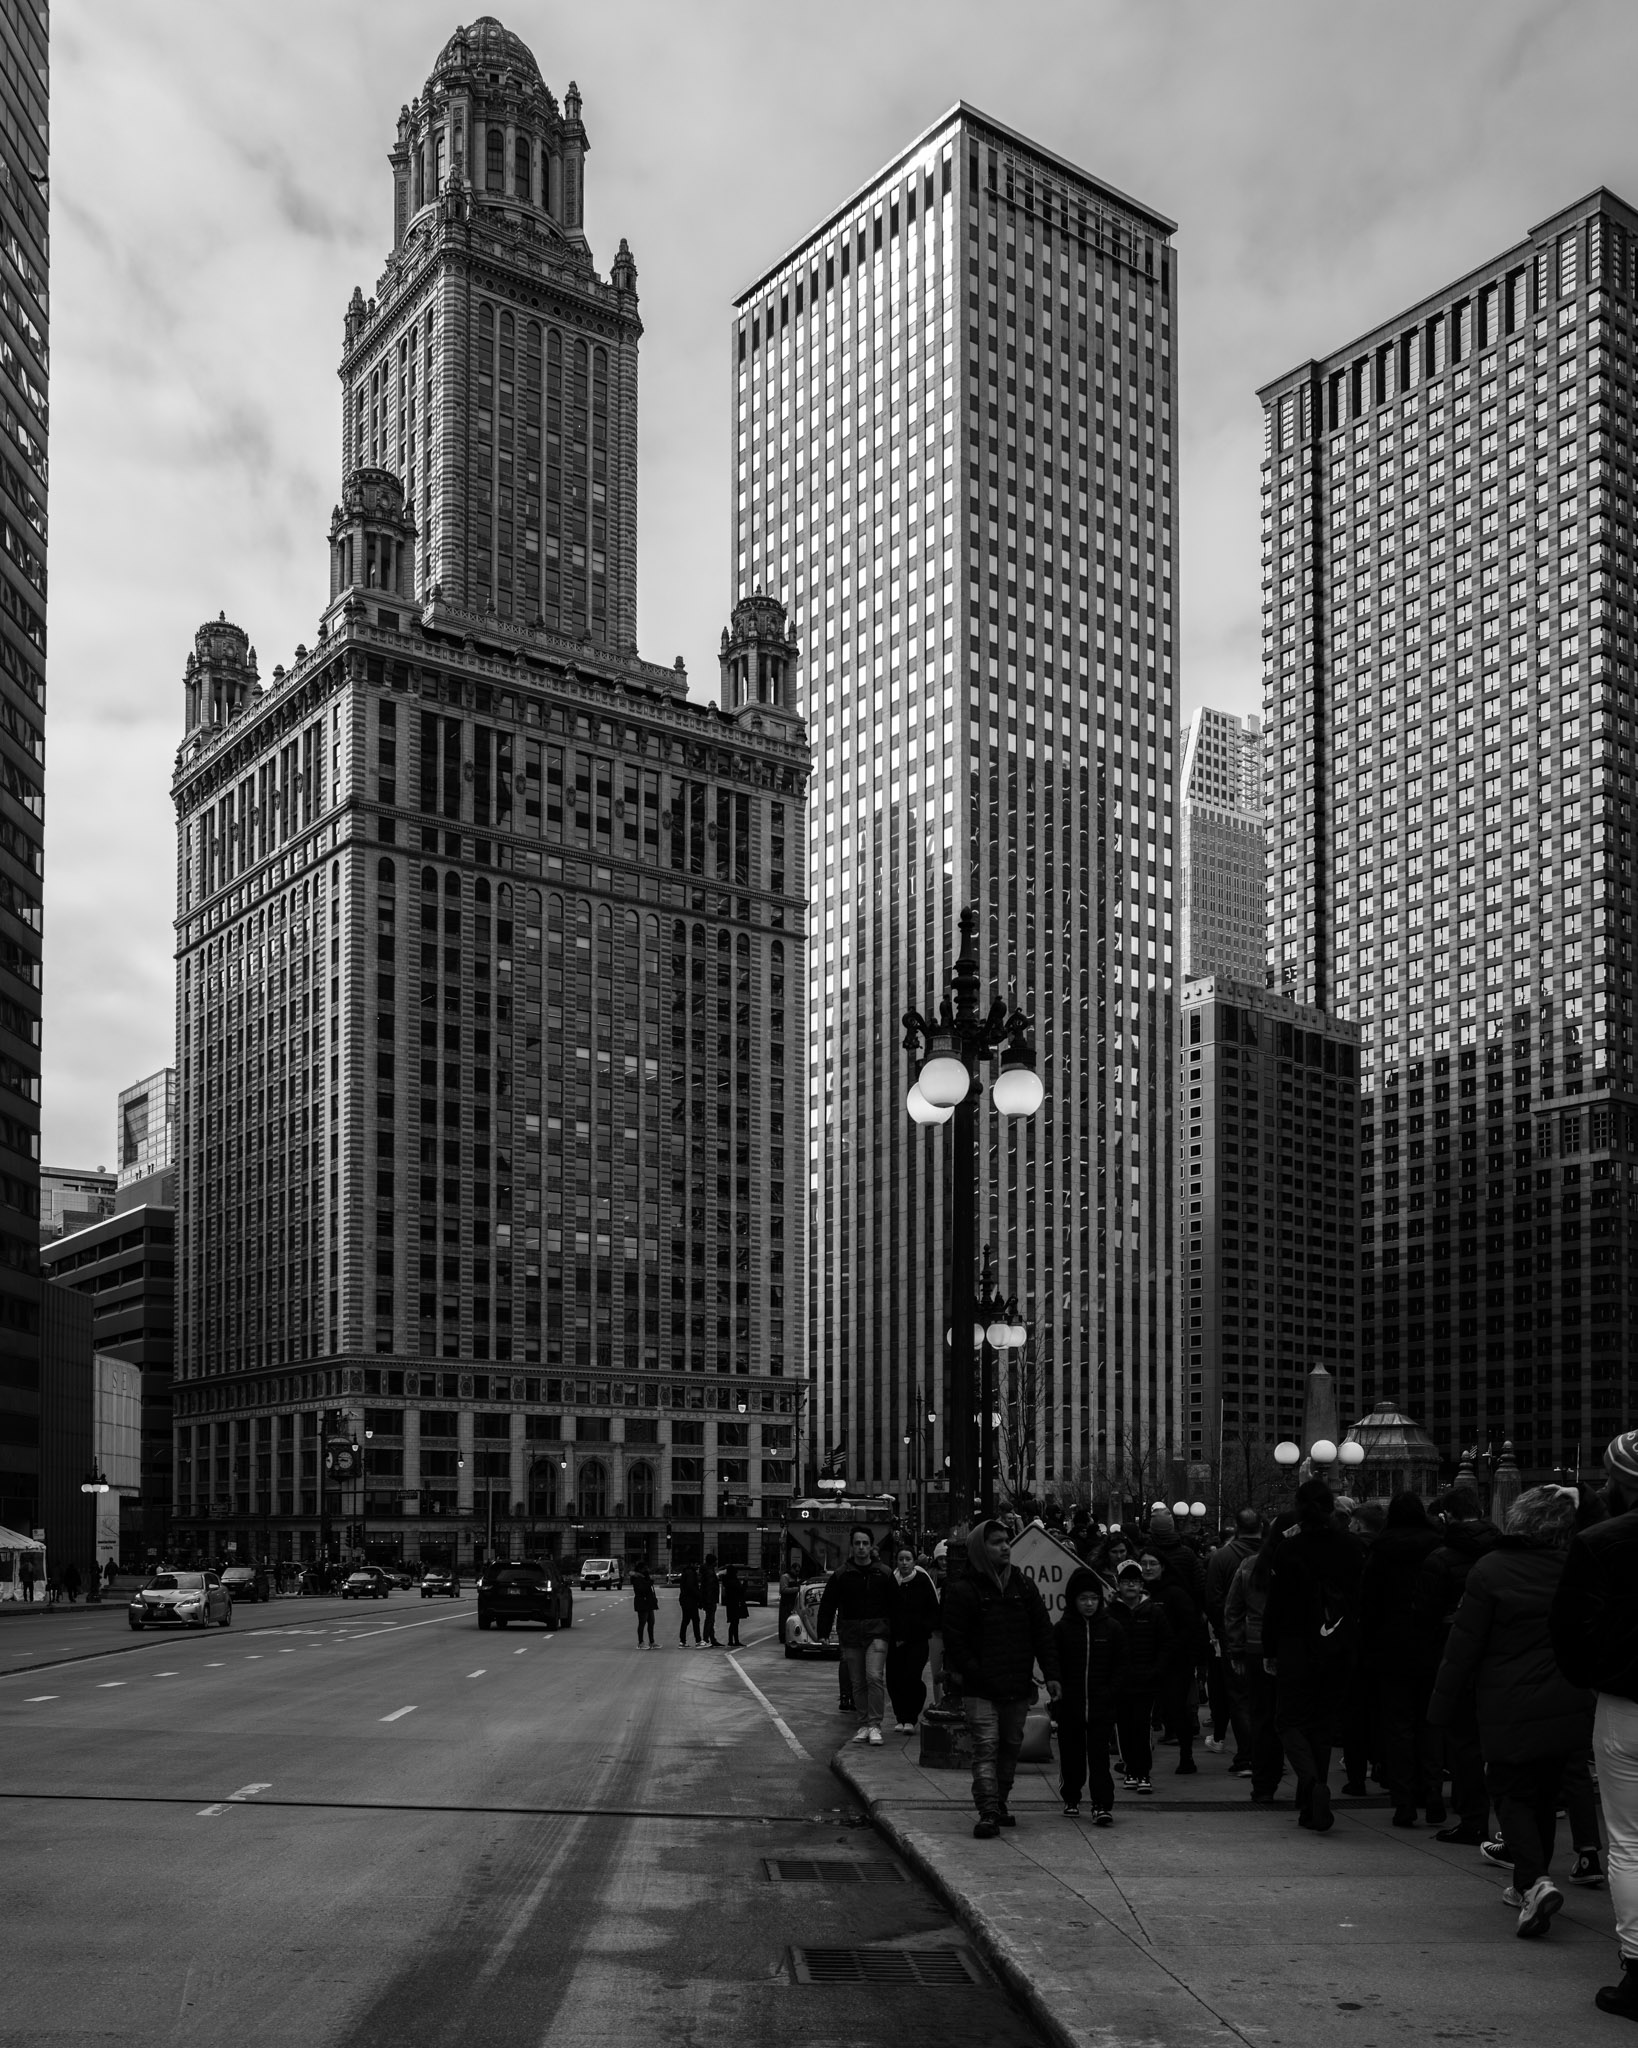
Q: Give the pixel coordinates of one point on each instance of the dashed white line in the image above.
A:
(471, 1674)
(402, 1711)
(37, 1699)
(521, 1653)
(164, 1674)
(109, 1684)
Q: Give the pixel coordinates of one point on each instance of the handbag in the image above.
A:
(1037, 1747)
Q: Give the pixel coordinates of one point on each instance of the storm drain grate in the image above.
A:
(810, 1870)
(924, 1966)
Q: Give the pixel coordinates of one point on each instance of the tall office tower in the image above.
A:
(24, 367)
(1271, 1131)
(147, 1128)
(1222, 851)
(491, 982)
(1448, 564)
(954, 457)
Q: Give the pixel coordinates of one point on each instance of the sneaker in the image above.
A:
(1140, 1784)
(1511, 1898)
(1072, 1811)
(986, 1828)
(1102, 1817)
(1495, 1851)
(1130, 1783)
(1214, 1745)
(1262, 1798)
(1541, 1902)
(1587, 1869)
(1241, 1771)
(864, 1734)
(874, 1737)
(1404, 1816)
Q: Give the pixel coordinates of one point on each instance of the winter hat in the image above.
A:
(1621, 1456)
(1161, 1523)
(1131, 1569)
(940, 1550)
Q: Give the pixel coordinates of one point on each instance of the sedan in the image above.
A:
(247, 1582)
(181, 1600)
(524, 1591)
(440, 1585)
(369, 1582)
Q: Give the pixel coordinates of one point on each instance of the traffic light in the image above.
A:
(668, 1534)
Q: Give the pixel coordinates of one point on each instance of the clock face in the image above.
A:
(341, 1461)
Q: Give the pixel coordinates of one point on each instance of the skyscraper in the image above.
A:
(954, 457)
(491, 961)
(24, 368)
(1448, 564)
(1222, 858)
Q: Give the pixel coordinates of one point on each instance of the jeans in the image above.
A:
(1132, 1728)
(690, 1619)
(997, 1730)
(1083, 1759)
(1615, 1744)
(711, 1622)
(1526, 1798)
(905, 1663)
(1239, 1707)
(867, 1671)
(645, 1623)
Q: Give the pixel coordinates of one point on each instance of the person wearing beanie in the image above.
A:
(1149, 1645)
(996, 1630)
(1594, 1629)
(1091, 1652)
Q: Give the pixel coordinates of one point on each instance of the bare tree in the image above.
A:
(1018, 1439)
(1248, 1476)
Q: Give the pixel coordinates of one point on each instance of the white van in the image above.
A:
(605, 1574)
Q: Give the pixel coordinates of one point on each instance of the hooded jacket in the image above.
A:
(643, 1597)
(1315, 1569)
(1243, 1611)
(1501, 1648)
(1594, 1622)
(1091, 1654)
(1392, 1636)
(916, 1615)
(996, 1629)
(1149, 1643)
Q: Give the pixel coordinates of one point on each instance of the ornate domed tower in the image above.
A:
(758, 659)
(495, 373)
(220, 677)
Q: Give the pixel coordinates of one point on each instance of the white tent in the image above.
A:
(14, 1547)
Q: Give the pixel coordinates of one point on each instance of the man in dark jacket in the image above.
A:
(710, 1595)
(1391, 1644)
(1465, 1536)
(1091, 1646)
(1310, 1641)
(1594, 1628)
(859, 1600)
(996, 1630)
(1221, 1568)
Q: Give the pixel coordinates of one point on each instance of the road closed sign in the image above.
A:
(1043, 1557)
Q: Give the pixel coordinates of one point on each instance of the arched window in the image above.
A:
(543, 1487)
(494, 155)
(452, 883)
(592, 1490)
(385, 873)
(429, 881)
(640, 1491)
(481, 890)
(522, 169)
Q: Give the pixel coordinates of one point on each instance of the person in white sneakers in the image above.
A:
(1532, 1718)
(861, 1599)
(1594, 1624)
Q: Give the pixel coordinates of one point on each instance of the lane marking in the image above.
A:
(471, 1674)
(248, 1792)
(109, 1684)
(164, 1674)
(398, 1627)
(521, 1653)
(287, 1653)
(768, 1706)
(206, 1812)
(213, 1667)
(402, 1711)
(35, 1699)
(253, 1657)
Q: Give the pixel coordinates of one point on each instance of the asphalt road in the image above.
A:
(376, 1827)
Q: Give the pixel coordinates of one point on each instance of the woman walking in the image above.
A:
(1532, 1721)
(1243, 1629)
(915, 1623)
(646, 1602)
(688, 1600)
(734, 1603)
(1393, 1644)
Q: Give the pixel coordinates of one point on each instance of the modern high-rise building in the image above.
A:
(147, 1128)
(954, 457)
(1222, 858)
(71, 1197)
(1448, 565)
(24, 368)
(491, 977)
(1271, 1136)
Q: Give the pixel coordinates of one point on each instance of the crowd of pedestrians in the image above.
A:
(1429, 1647)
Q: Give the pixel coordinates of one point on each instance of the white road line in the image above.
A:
(473, 1674)
(164, 1674)
(36, 1699)
(206, 1812)
(248, 1792)
(768, 1706)
(253, 1657)
(521, 1653)
(397, 1627)
(287, 1653)
(213, 1667)
(402, 1711)
(109, 1684)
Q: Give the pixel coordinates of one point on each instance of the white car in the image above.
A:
(602, 1574)
(181, 1600)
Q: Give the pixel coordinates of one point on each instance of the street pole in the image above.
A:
(959, 1393)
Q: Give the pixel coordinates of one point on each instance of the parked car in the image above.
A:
(802, 1637)
(531, 1590)
(181, 1600)
(439, 1584)
(247, 1582)
(368, 1582)
(755, 1582)
(601, 1574)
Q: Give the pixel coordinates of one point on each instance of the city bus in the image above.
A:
(816, 1540)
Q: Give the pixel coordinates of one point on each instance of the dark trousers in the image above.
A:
(1526, 1801)
(710, 1614)
(1179, 1719)
(1578, 1795)
(1355, 1724)
(645, 1623)
(1307, 1709)
(690, 1619)
(1455, 1749)
(733, 1632)
(1239, 1708)
(1402, 1757)
(1218, 1697)
(1266, 1755)
(905, 1686)
(1083, 1759)
(1132, 1729)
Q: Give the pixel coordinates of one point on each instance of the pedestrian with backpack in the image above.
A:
(1310, 1643)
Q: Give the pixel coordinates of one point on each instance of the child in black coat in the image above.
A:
(1091, 1657)
(1149, 1640)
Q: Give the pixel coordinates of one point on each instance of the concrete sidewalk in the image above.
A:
(1199, 1919)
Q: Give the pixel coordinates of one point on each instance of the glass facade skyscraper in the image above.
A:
(1223, 851)
(954, 457)
(1448, 578)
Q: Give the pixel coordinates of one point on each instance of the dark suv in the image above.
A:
(519, 1591)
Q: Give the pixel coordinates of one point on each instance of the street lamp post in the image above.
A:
(949, 1053)
(1002, 1329)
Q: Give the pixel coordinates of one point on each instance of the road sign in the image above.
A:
(1046, 1559)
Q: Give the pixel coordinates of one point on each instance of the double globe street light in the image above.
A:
(949, 1053)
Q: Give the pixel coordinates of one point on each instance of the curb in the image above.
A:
(997, 1952)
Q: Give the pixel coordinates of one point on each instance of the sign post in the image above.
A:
(1048, 1560)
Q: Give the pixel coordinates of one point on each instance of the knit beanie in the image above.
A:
(1621, 1456)
(1161, 1523)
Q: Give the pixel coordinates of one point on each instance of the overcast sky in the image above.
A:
(219, 184)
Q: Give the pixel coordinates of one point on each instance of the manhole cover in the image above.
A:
(808, 1870)
(925, 1966)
